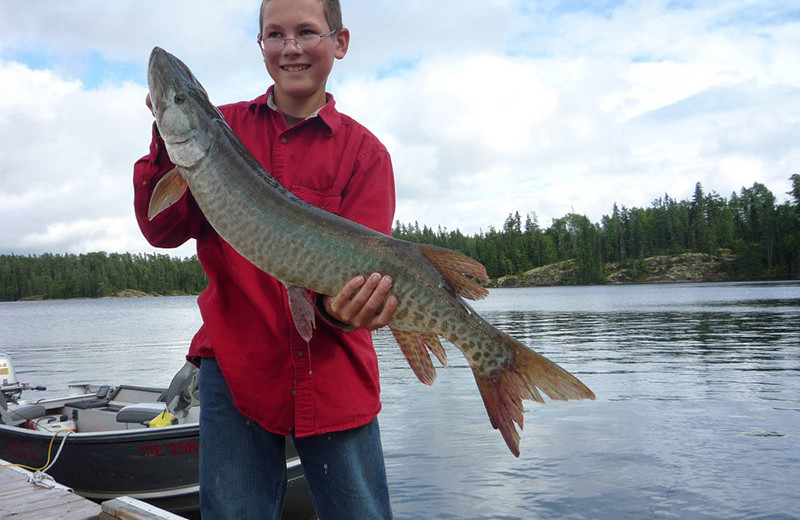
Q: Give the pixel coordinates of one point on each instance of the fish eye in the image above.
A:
(180, 97)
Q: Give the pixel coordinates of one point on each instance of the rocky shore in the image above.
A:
(687, 267)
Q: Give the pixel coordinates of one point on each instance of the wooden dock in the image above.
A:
(21, 499)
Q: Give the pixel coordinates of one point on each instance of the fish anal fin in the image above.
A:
(454, 266)
(435, 346)
(504, 390)
(169, 190)
(302, 309)
(413, 345)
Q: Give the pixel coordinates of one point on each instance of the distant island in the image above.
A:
(687, 267)
(746, 236)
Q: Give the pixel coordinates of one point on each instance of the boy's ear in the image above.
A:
(342, 42)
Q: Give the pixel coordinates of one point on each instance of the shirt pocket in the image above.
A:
(330, 202)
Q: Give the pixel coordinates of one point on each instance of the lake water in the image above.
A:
(697, 413)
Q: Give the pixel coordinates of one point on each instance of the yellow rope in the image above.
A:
(49, 453)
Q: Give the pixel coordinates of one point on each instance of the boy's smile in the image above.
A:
(300, 74)
(295, 68)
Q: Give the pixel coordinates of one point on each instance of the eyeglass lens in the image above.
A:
(304, 42)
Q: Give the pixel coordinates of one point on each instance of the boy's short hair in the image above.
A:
(331, 8)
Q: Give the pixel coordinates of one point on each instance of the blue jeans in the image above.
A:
(243, 466)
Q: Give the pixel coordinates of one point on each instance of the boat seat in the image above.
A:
(98, 400)
(179, 396)
(86, 404)
(102, 392)
(141, 413)
(26, 412)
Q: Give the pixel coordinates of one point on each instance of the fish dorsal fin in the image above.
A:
(454, 266)
(169, 190)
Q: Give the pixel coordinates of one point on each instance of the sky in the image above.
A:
(488, 107)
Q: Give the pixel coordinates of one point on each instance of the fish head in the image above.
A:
(182, 109)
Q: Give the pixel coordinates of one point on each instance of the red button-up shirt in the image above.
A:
(275, 378)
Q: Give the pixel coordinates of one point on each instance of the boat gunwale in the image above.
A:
(102, 437)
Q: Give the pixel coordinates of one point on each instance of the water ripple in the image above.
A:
(697, 415)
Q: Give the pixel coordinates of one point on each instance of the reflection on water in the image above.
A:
(697, 416)
(697, 413)
(134, 340)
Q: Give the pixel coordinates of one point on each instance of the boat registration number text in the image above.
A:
(173, 448)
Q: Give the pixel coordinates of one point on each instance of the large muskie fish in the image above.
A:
(306, 247)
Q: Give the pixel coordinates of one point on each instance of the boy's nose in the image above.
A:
(291, 46)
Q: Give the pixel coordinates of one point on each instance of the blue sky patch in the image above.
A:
(91, 68)
(397, 67)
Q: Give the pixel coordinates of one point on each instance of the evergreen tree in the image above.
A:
(764, 237)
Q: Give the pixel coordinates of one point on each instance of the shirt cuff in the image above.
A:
(330, 320)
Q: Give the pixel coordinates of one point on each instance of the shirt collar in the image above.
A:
(327, 114)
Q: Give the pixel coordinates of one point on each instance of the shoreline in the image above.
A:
(662, 269)
(683, 268)
(494, 285)
(125, 293)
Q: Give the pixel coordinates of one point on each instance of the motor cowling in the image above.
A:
(9, 386)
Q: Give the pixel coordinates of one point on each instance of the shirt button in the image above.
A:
(284, 139)
(299, 353)
(294, 393)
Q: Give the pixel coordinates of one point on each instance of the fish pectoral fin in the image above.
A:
(414, 345)
(454, 266)
(169, 190)
(302, 309)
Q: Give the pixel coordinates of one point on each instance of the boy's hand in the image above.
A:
(363, 303)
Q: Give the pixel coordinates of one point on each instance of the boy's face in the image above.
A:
(300, 75)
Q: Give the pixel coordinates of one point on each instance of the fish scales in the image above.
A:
(304, 246)
(302, 251)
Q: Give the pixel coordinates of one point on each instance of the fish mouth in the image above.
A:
(165, 70)
(181, 141)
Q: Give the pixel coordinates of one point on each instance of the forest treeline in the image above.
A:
(763, 236)
(94, 275)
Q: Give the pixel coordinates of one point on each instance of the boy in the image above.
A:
(259, 380)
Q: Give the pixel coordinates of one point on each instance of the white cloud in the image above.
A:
(68, 154)
(487, 107)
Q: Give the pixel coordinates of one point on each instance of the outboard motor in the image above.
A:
(9, 386)
(10, 390)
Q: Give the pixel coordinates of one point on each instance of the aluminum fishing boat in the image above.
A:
(106, 441)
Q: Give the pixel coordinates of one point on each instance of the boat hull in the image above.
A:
(156, 465)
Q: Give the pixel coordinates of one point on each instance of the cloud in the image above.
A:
(488, 107)
(67, 160)
(620, 105)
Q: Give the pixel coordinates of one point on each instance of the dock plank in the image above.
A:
(22, 500)
(127, 508)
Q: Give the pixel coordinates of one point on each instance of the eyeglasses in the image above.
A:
(305, 42)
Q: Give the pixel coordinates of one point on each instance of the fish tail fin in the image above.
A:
(528, 372)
